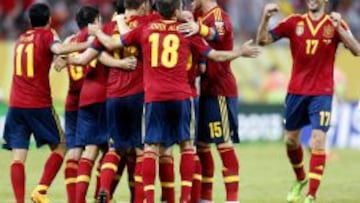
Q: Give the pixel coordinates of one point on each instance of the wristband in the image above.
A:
(204, 30)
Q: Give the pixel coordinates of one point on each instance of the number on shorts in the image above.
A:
(215, 129)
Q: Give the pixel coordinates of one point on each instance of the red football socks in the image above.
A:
(317, 166)
(139, 189)
(70, 172)
(109, 168)
(119, 173)
(196, 185)
(83, 179)
(167, 178)
(51, 168)
(187, 169)
(295, 156)
(18, 181)
(149, 174)
(207, 163)
(230, 173)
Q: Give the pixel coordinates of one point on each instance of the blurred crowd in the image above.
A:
(244, 13)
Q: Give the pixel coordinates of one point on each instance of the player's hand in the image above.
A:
(189, 28)
(248, 50)
(93, 28)
(270, 9)
(129, 63)
(335, 18)
(59, 63)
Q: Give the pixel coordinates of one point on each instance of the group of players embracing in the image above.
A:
(133, 96)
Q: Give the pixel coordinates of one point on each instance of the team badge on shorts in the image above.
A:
(300, 28)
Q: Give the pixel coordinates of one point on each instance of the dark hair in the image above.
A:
(133, 4)
(167, 8)
(86, 15)
(39, 15)
(119, 6)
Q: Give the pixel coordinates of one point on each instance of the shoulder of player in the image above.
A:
(294, 18)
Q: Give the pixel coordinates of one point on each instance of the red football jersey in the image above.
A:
(32, 61)
(76, 76)
(94, 87)
(165, 55)
(193, 70)
(122, 83)
(219, 79)
(313, 46)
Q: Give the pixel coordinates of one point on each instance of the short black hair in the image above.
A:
(39, 15)
(119, 6)
(167, 8)
(133, 4)
(86, 15)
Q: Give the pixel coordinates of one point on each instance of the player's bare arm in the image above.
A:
(106, 40)
(128, 63)
(191, 28)
(263, 36)
(246, 50)
(60, 48)
(348, 39)
(122, 26)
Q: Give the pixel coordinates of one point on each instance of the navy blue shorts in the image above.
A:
(124, 121)
(169, 122)
(218, 119)
(196, 117)
(43, 123)
(70, 128)
(91, 126)
(302, 110)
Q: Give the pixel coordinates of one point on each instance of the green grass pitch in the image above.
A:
(265, 176)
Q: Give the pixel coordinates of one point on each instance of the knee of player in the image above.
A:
(186, 146)
(318, 139)
(292, 139)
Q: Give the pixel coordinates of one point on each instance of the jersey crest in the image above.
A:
(300, 28)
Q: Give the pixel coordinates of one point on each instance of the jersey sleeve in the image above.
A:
(50, 38)
(133, 37)
(283, 29)
(200, 45)
(96, 44)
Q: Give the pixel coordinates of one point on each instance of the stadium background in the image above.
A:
(261, 84)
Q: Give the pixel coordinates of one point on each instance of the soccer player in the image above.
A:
(218, 101)
(167, 90)
(91, 126)
(85, 16)
(314, 38)
(30, 109)
(124, 107)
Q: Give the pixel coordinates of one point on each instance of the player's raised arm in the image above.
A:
(263, 36)
(347, 38)
(128, 63)
(246, 50)
(106, 40)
